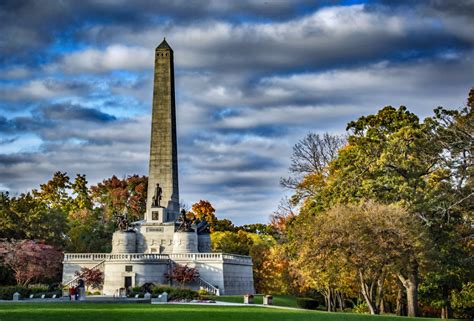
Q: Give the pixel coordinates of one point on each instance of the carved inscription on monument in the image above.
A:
(154, 229)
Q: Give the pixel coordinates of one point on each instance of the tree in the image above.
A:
(273, 274)
(26, 217)
(372, 239)
(311, 155)
(390, 157)
(183, 274)
(116, 195)
(204, 211)
(92, 277)
(452, 222)
(230, 242)
(31, 261)
(224, 225)
(54, 193)
(259, 228)
(425, 166)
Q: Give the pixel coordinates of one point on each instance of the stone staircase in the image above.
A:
(203, 284)
(73, 282)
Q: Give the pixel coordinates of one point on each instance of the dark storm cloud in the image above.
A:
(41, 89)
(48, 121)
(30, 25)
(75, 112)
(7, 125)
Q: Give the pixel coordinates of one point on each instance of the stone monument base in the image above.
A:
(220, 273)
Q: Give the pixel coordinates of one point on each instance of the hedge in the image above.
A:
(6, 292)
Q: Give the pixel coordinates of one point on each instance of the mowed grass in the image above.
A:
(279, 300)
(148, 312)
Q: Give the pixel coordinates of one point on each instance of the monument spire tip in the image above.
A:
(164, 45)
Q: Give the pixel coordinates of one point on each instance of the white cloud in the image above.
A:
(113, 57)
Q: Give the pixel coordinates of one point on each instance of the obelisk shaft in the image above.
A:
(163, 168)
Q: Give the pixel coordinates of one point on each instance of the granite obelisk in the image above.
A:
(163, 192)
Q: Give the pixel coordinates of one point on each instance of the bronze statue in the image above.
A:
(122, 221)
(156, 199)
(185, 223)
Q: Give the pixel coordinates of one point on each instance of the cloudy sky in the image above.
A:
(252, 78)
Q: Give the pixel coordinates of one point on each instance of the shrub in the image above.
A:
(183, 294)
(158, 289)
(202, 292)
(137, 289)
(96, 293)
(147, 287)
(6, 292)
(361, 308)
(307, 303)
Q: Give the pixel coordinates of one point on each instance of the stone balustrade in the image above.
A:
(203, 257)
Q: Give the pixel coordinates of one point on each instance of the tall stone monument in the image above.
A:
(163, 192)
(145, 251)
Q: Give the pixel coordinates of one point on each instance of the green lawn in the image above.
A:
(148, 312)
(280, 300)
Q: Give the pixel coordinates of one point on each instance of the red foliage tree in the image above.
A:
(30, 260)
(114, 195)
(183, 274)
(92, 277)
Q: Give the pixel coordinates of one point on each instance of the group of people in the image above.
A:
(78, 292)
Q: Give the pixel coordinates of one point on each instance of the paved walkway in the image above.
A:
(222, 303)
(110, 299)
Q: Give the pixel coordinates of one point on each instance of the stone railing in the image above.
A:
(203, 284)
(203, 257)
(91, 257)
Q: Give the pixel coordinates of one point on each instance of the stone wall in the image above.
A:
(232, 274)
(139, 272)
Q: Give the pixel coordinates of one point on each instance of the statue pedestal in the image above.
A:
(185, 242)
(157, 215)
(124, 242)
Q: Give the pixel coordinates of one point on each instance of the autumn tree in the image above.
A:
(425, 166)
(93, 278)
(31, 261)
(116, 195)
(183, 274)
(230, 242)
(371, 239)
(204, 211)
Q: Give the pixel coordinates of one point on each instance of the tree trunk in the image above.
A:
(326, 299)
(381, 307)
(401, 300)
(446, 311)
(368, 294)
(380, 293)
(340, 299)
(411, 286)
(334, 300)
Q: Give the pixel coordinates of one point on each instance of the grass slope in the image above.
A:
(148, 312)
(279, 300)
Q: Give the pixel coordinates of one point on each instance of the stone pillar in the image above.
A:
(204, 243)
(124, 242)
(185, 242)
(163, 169)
